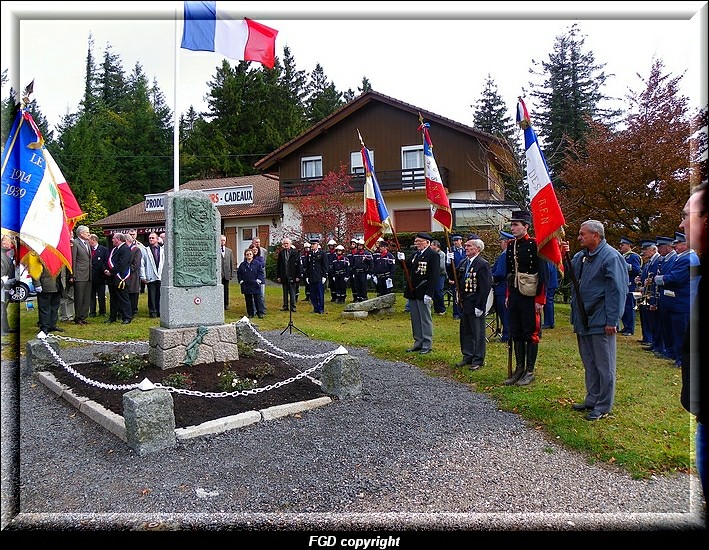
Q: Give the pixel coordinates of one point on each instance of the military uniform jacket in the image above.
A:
(499, 274)
(384, 264)
(676, 282)
(475, 283)
(340, 267)
(317, 266)
(360, 261)
(424, 269)
(528, 261)
(648, 271)
(634, 262)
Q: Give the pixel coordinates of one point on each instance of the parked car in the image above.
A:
(24, 288)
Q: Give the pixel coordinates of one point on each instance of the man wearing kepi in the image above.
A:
(526, 296)
(424, 267)
(634, 264)
(597, 304)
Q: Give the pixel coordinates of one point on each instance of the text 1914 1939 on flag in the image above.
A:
(547, 218)
(35, 199)
(211, 30)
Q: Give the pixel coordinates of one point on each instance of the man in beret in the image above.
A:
(525, 312)
(423, 267)
(81, 274)
(634, 263)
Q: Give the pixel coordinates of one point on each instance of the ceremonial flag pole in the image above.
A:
(376, 217)
(209, 29)
(547, 218)
(435, 192)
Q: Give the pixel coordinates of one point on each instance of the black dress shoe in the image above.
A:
(110, 321)
(56, 329)
(125, 322)
(411, 350)
(425, 351)
(284, 309)
(581, 407)
(475, 367)
(462, 363)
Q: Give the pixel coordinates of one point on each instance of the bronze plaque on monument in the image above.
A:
(194, 247)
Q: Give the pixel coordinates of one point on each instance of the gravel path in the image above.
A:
(413, 452)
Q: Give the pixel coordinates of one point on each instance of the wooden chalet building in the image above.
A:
(470, 163)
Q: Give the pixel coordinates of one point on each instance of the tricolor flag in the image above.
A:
(435, 192)
(209, 30)
(376, 216)
(547, 218)
(33, 199)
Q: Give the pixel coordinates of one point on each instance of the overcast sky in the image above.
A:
(433, 55)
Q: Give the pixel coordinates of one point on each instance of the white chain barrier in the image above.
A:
(147, 384)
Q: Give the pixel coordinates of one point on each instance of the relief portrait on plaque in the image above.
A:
(195, 242)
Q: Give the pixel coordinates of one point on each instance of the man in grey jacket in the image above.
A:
(597, 304)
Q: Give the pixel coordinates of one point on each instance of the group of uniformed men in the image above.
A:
(356, 269)
(662, 289)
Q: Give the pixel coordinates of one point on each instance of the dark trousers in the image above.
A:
(225, 282)
(524, 321)
(154, 297)
(98, 295)
(120, 304)
(48, 305)
(289, 295)
(438, 305)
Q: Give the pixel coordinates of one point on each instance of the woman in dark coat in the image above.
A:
(250, 275)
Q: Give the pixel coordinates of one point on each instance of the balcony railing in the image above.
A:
(389, 180)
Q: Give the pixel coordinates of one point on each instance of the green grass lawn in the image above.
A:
(649, 432)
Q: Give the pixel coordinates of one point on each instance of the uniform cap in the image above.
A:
(521, 216)
(505, 236)
(314, 241)
(679, 238)
(646, 242)
(663, 240)
(626, 240)
(473, 236)
(424, 236)
(456, 237)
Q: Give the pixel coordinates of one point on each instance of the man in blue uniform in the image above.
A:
(499, 286)
(634, 263)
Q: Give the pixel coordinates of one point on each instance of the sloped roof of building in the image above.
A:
(266, 202)
(270, 161)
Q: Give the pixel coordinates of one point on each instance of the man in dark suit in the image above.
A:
(424, 269)
(227, 267)
(288, 273)
(99, 255)
(117, 273)
(81, 274)
(475, 281)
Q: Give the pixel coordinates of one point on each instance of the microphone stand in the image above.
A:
(290, 325)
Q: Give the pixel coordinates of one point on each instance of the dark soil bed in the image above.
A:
(191, 410)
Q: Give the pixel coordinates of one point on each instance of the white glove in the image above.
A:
(347, 279)
(241, 282)
(38, 289)
(478, 312)
(658, 279)
(369, 277)
(374, 278)
(427, 300)
(258, 281)
(629, 266)
(324, 279)
(449, 256)
(400, 256)
(307, 280)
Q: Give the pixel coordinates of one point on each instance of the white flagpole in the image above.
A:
(176, 117)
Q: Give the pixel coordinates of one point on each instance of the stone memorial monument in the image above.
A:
(192, 329)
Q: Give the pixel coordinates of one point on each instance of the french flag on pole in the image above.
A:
(209, 30)
(547, 217)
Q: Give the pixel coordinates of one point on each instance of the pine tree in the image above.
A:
(568, 99)
(323, 98)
